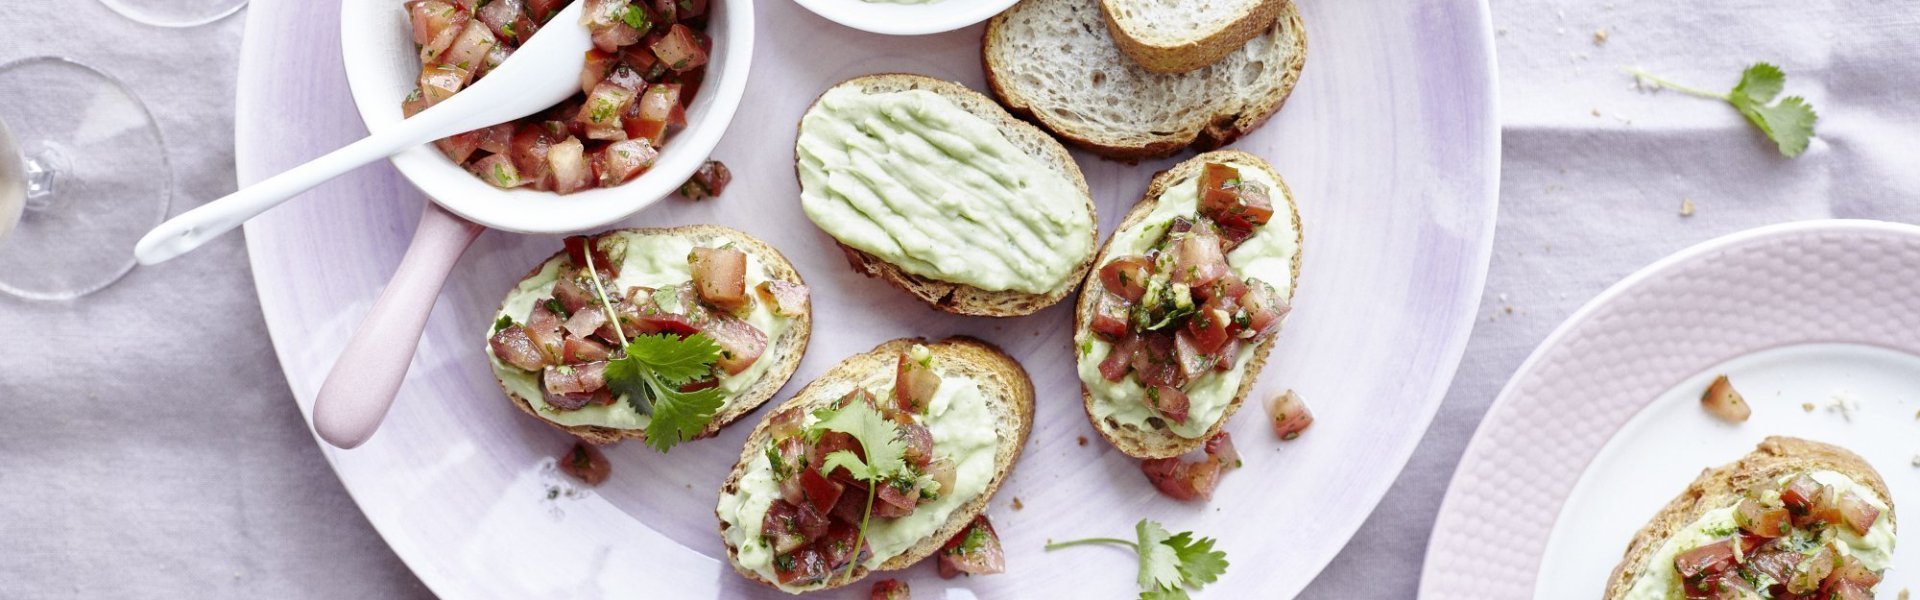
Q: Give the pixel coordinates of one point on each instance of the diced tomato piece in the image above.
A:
(1217, 182)
(572, 291)
(469, 51)
(709, 181)
(1231, 201)
(1709, 558)
(1126, 276)
(585, 322)
(919, 443)
(804, 566)
(680, 49)
(497, 171)
(1169, 401)
(820, 492)
(568, 159)
(657, 108)
(642, 61)
(1760, 520)
(584, 350)
(414, 103)
(429, 18)
(585, 463)
(569, 401)
(601, 114)
(837, 547)
(1228, 288)
(1812, 570)
(740, 343)
(1155, 363)
(460, 146)
(974, 551)
(1119, 360)
(1220, 449)
(834, 441)
(513, 347)
(666, 322)
(692, 9)
(1197, 260)
(900, 496)
(543, 329)
(1208, 328)
(1109, 316)
(785, 297)
(507, 19)
(541, 10)
(1182, 480)
(1193, 361)
(1289, 415)
(622, 161)
(576, 379)
(528, 150)
(1263, 308)
(443, 38)
(598, 65)
(1856, 512)
(914, 385)
(1800, 494)
(497, 139)
(942, 471)
(890, 589)
(1775, 561)
(720, 275)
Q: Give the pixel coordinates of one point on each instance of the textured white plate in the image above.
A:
(1390, 143)
(1810, 312)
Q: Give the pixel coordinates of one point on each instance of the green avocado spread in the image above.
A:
(921, 183)
(1267, 256)
(654, 261)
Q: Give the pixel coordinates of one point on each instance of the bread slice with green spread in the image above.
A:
(1794, 518)
(1056, 63)
(762, 335)
(974, 421)
(1169, 36)
(1182, 301)
(935, 189)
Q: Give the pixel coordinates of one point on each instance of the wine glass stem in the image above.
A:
(44, 169)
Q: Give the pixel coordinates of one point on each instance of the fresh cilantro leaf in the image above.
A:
(636, 18)
(1170, 564)
(879, 439)
(1789, 122)
(503, 323)
(651, 374)
(1159, 566)
(676, 360)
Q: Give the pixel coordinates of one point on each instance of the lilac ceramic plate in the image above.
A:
(1602, 425)
(1390, 143)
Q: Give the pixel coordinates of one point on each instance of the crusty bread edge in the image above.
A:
(1168, 56)
(1223, 130)
(1166, 444)
(1720, 487)
(953, 297)
(1009, 397)
(788, 350)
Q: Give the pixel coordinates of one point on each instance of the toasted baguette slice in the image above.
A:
(1053, 61)
(1170, 36)
(785, 351)
(1009, 396)
(1161, 443)
(1724, 486)
(954, 297)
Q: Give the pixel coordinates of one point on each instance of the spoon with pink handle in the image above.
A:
(542, 73)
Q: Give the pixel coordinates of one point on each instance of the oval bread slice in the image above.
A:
(1055, 62)
(1009, 395)
(1161, 443)
(785, 352)
(953, 297)
(1171, 36)
(1724, 486)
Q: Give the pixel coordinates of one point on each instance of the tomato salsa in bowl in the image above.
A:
(659, 87)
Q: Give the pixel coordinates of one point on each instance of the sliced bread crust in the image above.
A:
(1720, 487)
(786, 351)
(1161, 443)
(1009, 394)
(1054, 62)
(1145, 36)
(959, 298)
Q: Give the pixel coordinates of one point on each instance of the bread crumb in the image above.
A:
(1686, 207)
(1903, 593)
(1600, 36)
(1016, 503)
(1596, 112)
(1083, 440)
(1916, 462)
(1509, 309)
(1806, 406)
(1844, 403)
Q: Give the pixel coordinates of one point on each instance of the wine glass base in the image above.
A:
(98, 174)
(175, 13)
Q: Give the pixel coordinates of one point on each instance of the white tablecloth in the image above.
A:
(149, 446)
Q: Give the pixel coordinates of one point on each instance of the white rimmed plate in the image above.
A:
(1602, 426)
(460, 483)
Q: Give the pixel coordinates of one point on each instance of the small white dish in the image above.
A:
(382, 66)
(898, 18)
(1602, 425)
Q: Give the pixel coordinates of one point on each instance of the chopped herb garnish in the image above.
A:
(1170, 565)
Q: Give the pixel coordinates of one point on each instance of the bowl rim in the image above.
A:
(898, 17)
(367, 31)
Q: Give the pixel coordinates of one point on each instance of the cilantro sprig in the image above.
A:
(653, 369)
(1788, 122)
(1170, 564)
(879, 440)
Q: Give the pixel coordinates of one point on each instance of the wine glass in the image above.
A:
(175, 13)
(83, 174)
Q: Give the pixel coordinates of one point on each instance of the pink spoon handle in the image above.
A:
(361, 386)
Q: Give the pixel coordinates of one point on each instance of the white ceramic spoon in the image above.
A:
(542, 73)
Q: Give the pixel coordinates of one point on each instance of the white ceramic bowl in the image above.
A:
(382, 65)
(893, 18)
